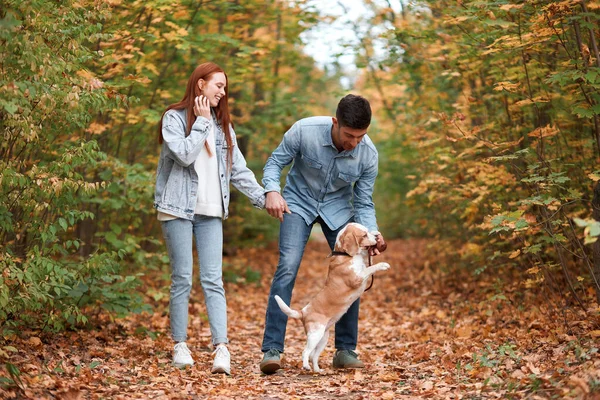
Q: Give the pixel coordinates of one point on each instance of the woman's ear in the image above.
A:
(201, 84)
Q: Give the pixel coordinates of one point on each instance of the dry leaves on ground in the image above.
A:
(423, 334)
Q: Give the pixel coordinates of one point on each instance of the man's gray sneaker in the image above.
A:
(346, 359)
(271, 362)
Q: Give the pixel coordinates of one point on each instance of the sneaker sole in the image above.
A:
(270, 367)
(220, 371)
(181, 365)
(349, 367)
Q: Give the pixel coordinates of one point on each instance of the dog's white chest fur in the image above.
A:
(357, 265)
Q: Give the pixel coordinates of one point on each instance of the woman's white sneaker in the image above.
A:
(222, 361)
(182, 356)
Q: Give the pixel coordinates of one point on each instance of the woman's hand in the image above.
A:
(202, 107)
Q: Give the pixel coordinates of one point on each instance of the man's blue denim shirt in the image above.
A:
(323, 181)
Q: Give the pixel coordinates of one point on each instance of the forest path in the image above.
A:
(422, 334)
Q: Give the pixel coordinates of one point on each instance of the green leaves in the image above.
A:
(9, 107)
(509, 222)
(497, 102)
(591, 229)
(48, 173)
(15, 375)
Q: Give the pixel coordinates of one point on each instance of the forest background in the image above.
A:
(486, 118)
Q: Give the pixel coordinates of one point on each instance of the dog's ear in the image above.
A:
(350, 241)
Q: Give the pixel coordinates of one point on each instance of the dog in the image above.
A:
(346, 281)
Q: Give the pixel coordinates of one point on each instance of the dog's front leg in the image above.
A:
(367, 272)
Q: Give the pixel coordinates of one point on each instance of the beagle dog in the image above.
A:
(346, 281)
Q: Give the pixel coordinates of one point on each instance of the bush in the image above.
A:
(49, 171)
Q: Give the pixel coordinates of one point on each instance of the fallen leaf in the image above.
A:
(464, 331)
(427, 385)
(534, 370)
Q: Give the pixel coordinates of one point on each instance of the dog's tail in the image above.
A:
(287, 311)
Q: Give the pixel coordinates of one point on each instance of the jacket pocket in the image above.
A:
(175, 190)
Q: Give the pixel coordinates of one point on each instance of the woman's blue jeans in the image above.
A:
(208, 234)
(293, 236)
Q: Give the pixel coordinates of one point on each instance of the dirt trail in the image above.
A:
(422, 334)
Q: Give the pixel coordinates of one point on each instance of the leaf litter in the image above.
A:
(423, 333)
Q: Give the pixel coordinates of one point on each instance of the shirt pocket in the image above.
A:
(311, 163)
(344, 180)
(311, 170)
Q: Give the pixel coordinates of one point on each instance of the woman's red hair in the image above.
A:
(203, 71)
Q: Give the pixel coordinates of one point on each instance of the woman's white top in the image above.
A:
(209, 200)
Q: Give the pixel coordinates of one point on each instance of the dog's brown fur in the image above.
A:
(346, 281)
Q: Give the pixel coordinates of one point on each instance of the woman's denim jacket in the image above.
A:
(177, 180)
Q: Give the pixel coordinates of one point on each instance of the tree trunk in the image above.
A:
(596, 245)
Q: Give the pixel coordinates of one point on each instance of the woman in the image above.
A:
(198, 160)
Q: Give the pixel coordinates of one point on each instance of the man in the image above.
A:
(331, 182)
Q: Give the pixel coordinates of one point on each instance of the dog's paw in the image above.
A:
(306, 367)
(384, 266)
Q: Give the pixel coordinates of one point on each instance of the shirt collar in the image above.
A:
(329, 142)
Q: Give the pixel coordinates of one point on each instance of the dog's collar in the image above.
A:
(342, 253)
(339, 253)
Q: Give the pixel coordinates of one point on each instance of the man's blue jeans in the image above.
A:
(293, 235)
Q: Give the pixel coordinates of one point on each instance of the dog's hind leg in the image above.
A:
(316, 353)
(312, 340)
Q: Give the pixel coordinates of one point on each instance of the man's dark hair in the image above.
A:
(354, 112)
